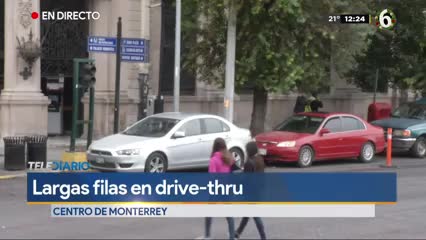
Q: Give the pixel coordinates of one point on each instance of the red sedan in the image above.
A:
(308, 137)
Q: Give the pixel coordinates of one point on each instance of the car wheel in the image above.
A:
(306, 156)
(419, 148)
(238, 156)
(156, 163)
(367, 152)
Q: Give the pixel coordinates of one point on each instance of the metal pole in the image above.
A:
(75, 93)
(117, 77)
(375, 85)
(176, 90)
(230, 62)
(91, 114)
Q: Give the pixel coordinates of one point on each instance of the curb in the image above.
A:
(7, 177)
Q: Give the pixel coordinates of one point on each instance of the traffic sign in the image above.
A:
(132, 58)
(137, 42)
(101, 44)
(105, 49)
(103, 41)
(132, 49)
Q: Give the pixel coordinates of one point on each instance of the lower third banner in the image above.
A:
(215, 210)
(172, 188)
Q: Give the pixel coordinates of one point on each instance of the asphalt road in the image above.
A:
(406, 219)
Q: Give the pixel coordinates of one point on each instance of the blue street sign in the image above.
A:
(101, 44)
(133, 49)
(133, 42)
(132, 58)
(102, 41)
(105, 49)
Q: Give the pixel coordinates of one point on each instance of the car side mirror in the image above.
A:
(179, 134)
(324, 131)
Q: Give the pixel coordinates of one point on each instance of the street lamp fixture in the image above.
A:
(30, 51)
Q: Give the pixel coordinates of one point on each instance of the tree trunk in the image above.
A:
(403, 98)
(260, 101)
(394, 99)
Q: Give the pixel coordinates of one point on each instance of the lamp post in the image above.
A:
(230, 62)
(176, 90)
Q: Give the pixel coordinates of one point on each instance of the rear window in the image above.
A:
(152, 127)
(300, 124)
(351, 124)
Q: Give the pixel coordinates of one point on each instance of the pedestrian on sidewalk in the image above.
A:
(221, 161)
(315, 103)
(254, 164)
(300, 104)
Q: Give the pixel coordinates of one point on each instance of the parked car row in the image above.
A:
(181, 141)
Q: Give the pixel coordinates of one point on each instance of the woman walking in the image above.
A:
(254, 163)
(221, 161)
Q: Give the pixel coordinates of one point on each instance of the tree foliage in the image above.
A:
(399, 54)
(281, 44)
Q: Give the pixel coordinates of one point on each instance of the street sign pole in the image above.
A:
(176, 90)
(117, 77)
(230, 62)
(91, 114)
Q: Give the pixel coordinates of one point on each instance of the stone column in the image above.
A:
(23, 108)
(109, 11)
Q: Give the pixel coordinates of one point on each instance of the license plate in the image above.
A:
(100, 160)
(262, 151)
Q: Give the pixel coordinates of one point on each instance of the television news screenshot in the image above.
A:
(212, 119)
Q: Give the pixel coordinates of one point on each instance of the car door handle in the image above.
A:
(340, 139)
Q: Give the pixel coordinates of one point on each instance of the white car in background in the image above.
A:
(167, 141)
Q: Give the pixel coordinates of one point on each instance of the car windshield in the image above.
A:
(300, 124)
(410, 110)
(152, 127)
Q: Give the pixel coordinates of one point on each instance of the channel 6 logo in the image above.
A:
(386, 19)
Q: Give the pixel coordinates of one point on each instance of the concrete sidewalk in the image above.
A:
(62, 142)
(56, 146)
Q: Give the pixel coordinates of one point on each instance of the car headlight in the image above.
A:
(287, 144)
(402, 133)
(129, 152)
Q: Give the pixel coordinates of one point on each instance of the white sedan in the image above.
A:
(167, 141)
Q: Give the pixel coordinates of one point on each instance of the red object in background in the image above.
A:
(378, 110)
(338, 136)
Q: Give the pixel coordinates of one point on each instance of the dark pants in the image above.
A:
(259, 225)
(231, 226)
